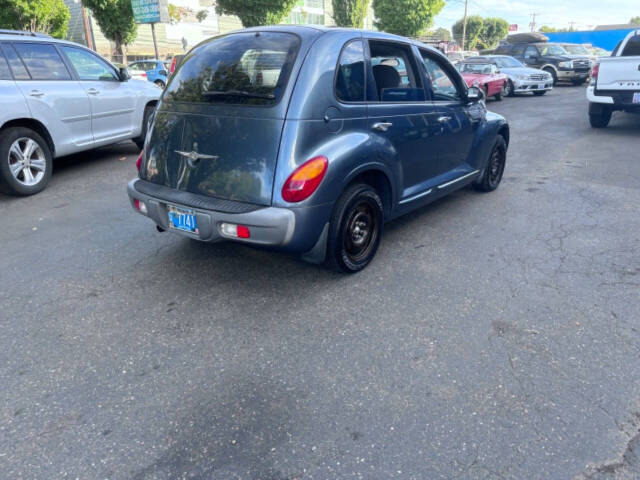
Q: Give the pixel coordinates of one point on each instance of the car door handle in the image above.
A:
(444, 119)
(382, 126)
(93, 91)
(36, 93)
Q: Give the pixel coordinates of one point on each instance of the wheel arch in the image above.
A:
(34, 125)
(377, 178)
(504, 132)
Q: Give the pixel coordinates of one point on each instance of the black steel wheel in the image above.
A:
(355, 229)
(495, 167)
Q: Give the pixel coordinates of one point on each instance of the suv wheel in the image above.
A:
(600, 119)
(25, 161)
(355, 229)
(553, 74)
(495, 167)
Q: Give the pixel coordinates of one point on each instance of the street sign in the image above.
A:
(513, 27)
(150, 11)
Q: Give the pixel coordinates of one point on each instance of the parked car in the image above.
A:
(318, 161)
(550, 57)
(484, 75)
(58, 98)
(155, 71)
(615, 82)
(581, 50)
(521, 79)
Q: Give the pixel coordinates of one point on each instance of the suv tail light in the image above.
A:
(304, 180)
(172, 68)
(594, 73)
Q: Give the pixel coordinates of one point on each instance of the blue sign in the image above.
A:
(150, 11)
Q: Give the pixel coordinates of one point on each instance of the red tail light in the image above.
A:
(304, 180)
(172, 68)
(594, 74)
(143, 75)
(139, 160)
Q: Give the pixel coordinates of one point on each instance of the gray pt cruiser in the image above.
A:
(308, 139)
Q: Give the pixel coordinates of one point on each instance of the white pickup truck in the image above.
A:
(615, 82)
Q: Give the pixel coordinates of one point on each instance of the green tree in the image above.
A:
(474, 32)
(202, 15)
(405, 17)
(494, 30)
(45, 16)
(177, 13)
(635, 21)
(253, 13)
(350, 13)
(547, 29)
(115, 18)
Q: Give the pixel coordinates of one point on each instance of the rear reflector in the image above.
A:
(140, 206)
(236, 231)
(304, 180)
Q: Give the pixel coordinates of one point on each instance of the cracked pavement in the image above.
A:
(495, 336)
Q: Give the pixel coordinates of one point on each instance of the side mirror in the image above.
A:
(123, 73)
(475, 95)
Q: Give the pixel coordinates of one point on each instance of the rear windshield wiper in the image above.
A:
(238, 93)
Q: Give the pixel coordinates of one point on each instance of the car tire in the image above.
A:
(139, 141)
(509, 89)
(540, 93)
(160, 83)
(495, 167)
(498, 96)
(601, 119)
(34, 176)
(553, 74)
(355, 229)
(485, 89)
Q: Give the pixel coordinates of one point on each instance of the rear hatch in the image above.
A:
(619, 73)
(218, 127)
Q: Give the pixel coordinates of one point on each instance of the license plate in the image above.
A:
(181, 219)
(636, 97)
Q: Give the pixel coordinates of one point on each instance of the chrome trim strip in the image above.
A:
(112, 113)
(416, 196)
(445, 185)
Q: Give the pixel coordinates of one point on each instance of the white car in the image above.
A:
(615, 82)
(58, 98)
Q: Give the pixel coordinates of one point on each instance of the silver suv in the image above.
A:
(58, 98)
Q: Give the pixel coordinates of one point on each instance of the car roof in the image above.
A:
(36, 37)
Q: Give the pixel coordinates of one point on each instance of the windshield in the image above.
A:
(576, 50)
(507, 62)
(482, 68)
(552, 50)
(241, 68)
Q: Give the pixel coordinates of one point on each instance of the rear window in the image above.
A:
(241, 68)
(42, 61)
(632, 48)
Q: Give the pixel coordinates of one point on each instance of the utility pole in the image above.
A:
(87, 30)
(571, 24)
(464, 23)
(533, 21)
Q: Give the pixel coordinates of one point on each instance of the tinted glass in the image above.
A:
(5, 73)
(517, 50)
(17, 67)
(632, 48)
(42, 61)
(443, 88)
(350, 78)
(479, 68)
(552, 50)
(241, 68)
(88, 66)
(532, 52)
(394, 78)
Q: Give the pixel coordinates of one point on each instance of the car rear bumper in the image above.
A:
(268, 226)
(520, 86)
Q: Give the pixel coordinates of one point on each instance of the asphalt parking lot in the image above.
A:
(495, 336)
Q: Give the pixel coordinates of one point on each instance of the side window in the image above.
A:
(394, 74)
(632, 48)
(502, 50)
(17, 67)
(42, 61)
(442, 85)
(518, 50)
(530, 52)
(5, 73)
(350, 75)
(88, 66)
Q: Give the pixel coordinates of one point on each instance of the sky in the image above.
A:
(555, 13)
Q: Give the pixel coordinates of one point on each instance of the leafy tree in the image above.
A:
(350, 13)
(201, 15)
(494, 30)
(474, 32)
(253, 13)
(635, 21)
(177, 13)
(45, 16)
(115, 18)
(547, 29)
(405, 17)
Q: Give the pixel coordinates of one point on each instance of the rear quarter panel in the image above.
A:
(14, 105)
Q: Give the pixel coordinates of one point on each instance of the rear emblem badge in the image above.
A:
(193, 156)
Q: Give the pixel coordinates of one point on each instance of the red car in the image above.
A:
(485, 76)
